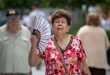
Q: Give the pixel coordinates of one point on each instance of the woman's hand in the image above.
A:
(85, 68)
(34, 41)
(33, 57)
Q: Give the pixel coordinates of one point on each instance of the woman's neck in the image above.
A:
(61, 37)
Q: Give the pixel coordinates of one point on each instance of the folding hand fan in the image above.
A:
(43, 31)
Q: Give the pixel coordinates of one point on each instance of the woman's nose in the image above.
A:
(60, 23)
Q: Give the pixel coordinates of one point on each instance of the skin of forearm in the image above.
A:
(32, 55)
(85, 69)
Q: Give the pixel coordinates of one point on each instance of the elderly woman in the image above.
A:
(95, 43)
(65, 53)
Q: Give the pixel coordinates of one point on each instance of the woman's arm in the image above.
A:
(33, 57)
(85, 68)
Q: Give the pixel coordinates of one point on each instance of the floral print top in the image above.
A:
(72, 56)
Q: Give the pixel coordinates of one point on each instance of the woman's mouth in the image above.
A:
(59, 28)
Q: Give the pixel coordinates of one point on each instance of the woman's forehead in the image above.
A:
(60, 18)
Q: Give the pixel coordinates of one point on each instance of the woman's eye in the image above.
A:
(63, 22)
(57, 22)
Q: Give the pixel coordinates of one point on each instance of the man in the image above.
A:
(15, 46)
(36, 11)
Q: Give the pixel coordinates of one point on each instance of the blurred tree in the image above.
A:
(1, 4)
(70, 4)
(21, 4)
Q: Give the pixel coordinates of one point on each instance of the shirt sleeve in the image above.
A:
(82, 54)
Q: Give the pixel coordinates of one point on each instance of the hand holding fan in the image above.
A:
(42, 30)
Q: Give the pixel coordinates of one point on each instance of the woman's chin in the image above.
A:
(60, 32)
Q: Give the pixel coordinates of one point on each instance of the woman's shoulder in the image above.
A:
(82, 28)
(76, 40)
(75, 37)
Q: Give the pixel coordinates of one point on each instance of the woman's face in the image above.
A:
(60, 25)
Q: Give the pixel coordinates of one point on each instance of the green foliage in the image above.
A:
(44, 3)
(108, 33)
(74, 29)
(66, 4)
(17, 3)
(2, 6)
(69, 4)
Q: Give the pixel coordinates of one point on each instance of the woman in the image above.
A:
(95, 43)
(65, 54)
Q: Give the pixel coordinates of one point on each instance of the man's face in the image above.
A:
(13, 19)
(13, 23)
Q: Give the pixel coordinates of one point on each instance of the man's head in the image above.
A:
(13, 19)
(12, 15)
(35, 5)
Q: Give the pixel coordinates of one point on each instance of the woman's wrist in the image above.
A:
(33, 47)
